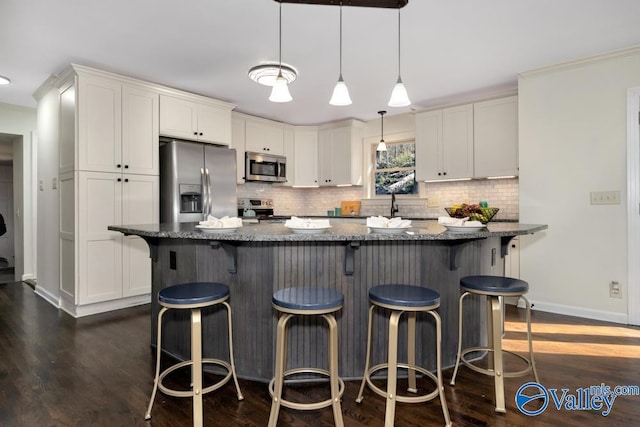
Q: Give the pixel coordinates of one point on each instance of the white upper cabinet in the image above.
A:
(340, 155)
(496, 137)
(237, 142)
(140, 124)
(117, 127)
(264, 137)
(305, 173)
(444, 143)
(195, 120)
(99, 144)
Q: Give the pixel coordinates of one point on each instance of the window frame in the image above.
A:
(374, 169)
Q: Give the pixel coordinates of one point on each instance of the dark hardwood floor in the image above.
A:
(97, 370)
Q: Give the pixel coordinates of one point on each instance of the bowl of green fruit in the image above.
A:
(474, 212)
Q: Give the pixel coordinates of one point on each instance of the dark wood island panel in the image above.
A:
(260, 259)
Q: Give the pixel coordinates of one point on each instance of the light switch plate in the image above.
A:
(605, 197)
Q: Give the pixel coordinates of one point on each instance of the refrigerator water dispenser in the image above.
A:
(190, 198)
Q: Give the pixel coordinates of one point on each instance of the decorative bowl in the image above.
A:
(473, 212)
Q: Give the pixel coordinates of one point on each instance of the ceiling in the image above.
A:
(451, 50)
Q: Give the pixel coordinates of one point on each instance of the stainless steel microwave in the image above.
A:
(265, 167)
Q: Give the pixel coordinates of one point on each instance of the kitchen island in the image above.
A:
(256, 260)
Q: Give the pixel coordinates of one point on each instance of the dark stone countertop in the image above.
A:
(339, 231)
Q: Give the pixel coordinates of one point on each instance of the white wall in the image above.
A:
(22, 121)
(48, 216)
(573, 142)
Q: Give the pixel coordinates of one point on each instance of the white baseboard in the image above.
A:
(568, 310)
(28, 276)
(102, 307)
(51, 298)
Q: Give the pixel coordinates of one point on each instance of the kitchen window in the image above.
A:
(395, 169)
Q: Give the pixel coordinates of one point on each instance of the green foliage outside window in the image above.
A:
(396, 169)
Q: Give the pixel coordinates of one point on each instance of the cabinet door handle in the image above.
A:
(439, 173)
(195, 133)
(126, 180)
(118, 165)
(200, 133)
(126, 166)
(119, 179)
(444, 173)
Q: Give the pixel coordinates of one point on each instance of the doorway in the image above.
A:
(7, 226)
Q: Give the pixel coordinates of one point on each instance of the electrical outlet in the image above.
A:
(605, 197)
(433, 202)
(615, 291)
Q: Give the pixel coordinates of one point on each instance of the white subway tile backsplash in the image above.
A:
(500, 193)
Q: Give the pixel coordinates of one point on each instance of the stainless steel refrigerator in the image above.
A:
(196, 180)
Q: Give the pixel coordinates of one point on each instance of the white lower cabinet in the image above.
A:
(109, 267)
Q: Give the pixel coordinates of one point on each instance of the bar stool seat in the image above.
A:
(400, 299)
(308, 301)
(194, 297)
(495, 288)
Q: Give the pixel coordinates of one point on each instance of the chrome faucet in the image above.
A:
(394, 206)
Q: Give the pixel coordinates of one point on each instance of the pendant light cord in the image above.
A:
(382, 113)
(280, 40)
(399, 42)
(341, 40)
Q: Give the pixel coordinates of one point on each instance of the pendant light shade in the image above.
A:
(381, 145)
(280, 91)
(399, 96)
(340, 91)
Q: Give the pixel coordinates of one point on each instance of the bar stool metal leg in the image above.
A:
(232, 362)
(455, 370)
(411, 351)
(147, 416)
(392, 372)
(496, 329)
(279, 368)
(368, 357)
(443, 399)
(529, 338)
(196, 367)
(333, 369)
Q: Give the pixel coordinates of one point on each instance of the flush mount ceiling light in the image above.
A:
(340, 91)
(389, 4)
(280, 91)
(267, 72)
(381, 145)
(4, 80)
(399, 97)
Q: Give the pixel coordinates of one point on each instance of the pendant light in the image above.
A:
(381, 145)
(280, 91)
(399, 97)
(340, 91)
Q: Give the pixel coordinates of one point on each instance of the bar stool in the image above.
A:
(495, 288)
(307, 302)
(400, 299)
(194, 297)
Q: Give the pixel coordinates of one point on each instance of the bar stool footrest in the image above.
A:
(188, 393)
(491, 372)
(404, 399)
(306, 406)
